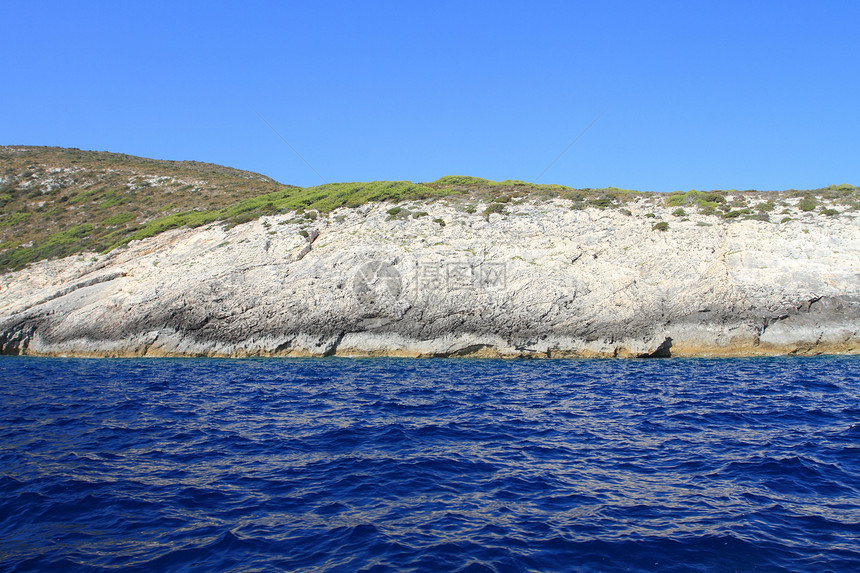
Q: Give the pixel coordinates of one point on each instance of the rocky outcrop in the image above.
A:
(542, 280)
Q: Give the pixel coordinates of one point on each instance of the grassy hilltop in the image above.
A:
(55, 202)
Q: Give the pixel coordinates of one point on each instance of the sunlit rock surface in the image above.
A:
(541, 280)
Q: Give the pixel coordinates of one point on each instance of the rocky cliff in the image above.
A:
(531, 277)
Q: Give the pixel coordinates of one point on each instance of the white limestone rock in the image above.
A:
(543, 280)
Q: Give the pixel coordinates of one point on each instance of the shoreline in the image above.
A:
(484, 353)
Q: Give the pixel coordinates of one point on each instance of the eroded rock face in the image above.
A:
(543, 280)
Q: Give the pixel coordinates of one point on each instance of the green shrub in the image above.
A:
(807, 204)
(601, 202)
(551, 188)
(118, 219)
(785, 220)
(440, 222)
(398, 213)
(419, 214)
(60, 244)
(736, 213)
(676, 199)
(89, 195)
(709, 197)
(494, 208)
(765, 207)
(112, 200)
(661, 226)
(758, 216)
(187, 219)
(707, 207)
(67, 236)
(679, 212)
(829, 212)
(463, 180)
(651, 215)
(14, 219)
(328, 197)
(575, 196)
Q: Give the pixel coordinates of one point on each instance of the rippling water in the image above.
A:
(430, 465)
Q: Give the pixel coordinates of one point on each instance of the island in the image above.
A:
(111, 255)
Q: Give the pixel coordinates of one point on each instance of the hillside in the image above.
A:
(55, 202)
(460, 266)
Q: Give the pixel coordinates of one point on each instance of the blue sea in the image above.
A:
(430, 465)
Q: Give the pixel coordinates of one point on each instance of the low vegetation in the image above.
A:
(55, 202)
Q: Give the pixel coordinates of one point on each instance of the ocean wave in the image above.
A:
(456, 465)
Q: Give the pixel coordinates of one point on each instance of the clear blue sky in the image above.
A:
(697, 95)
